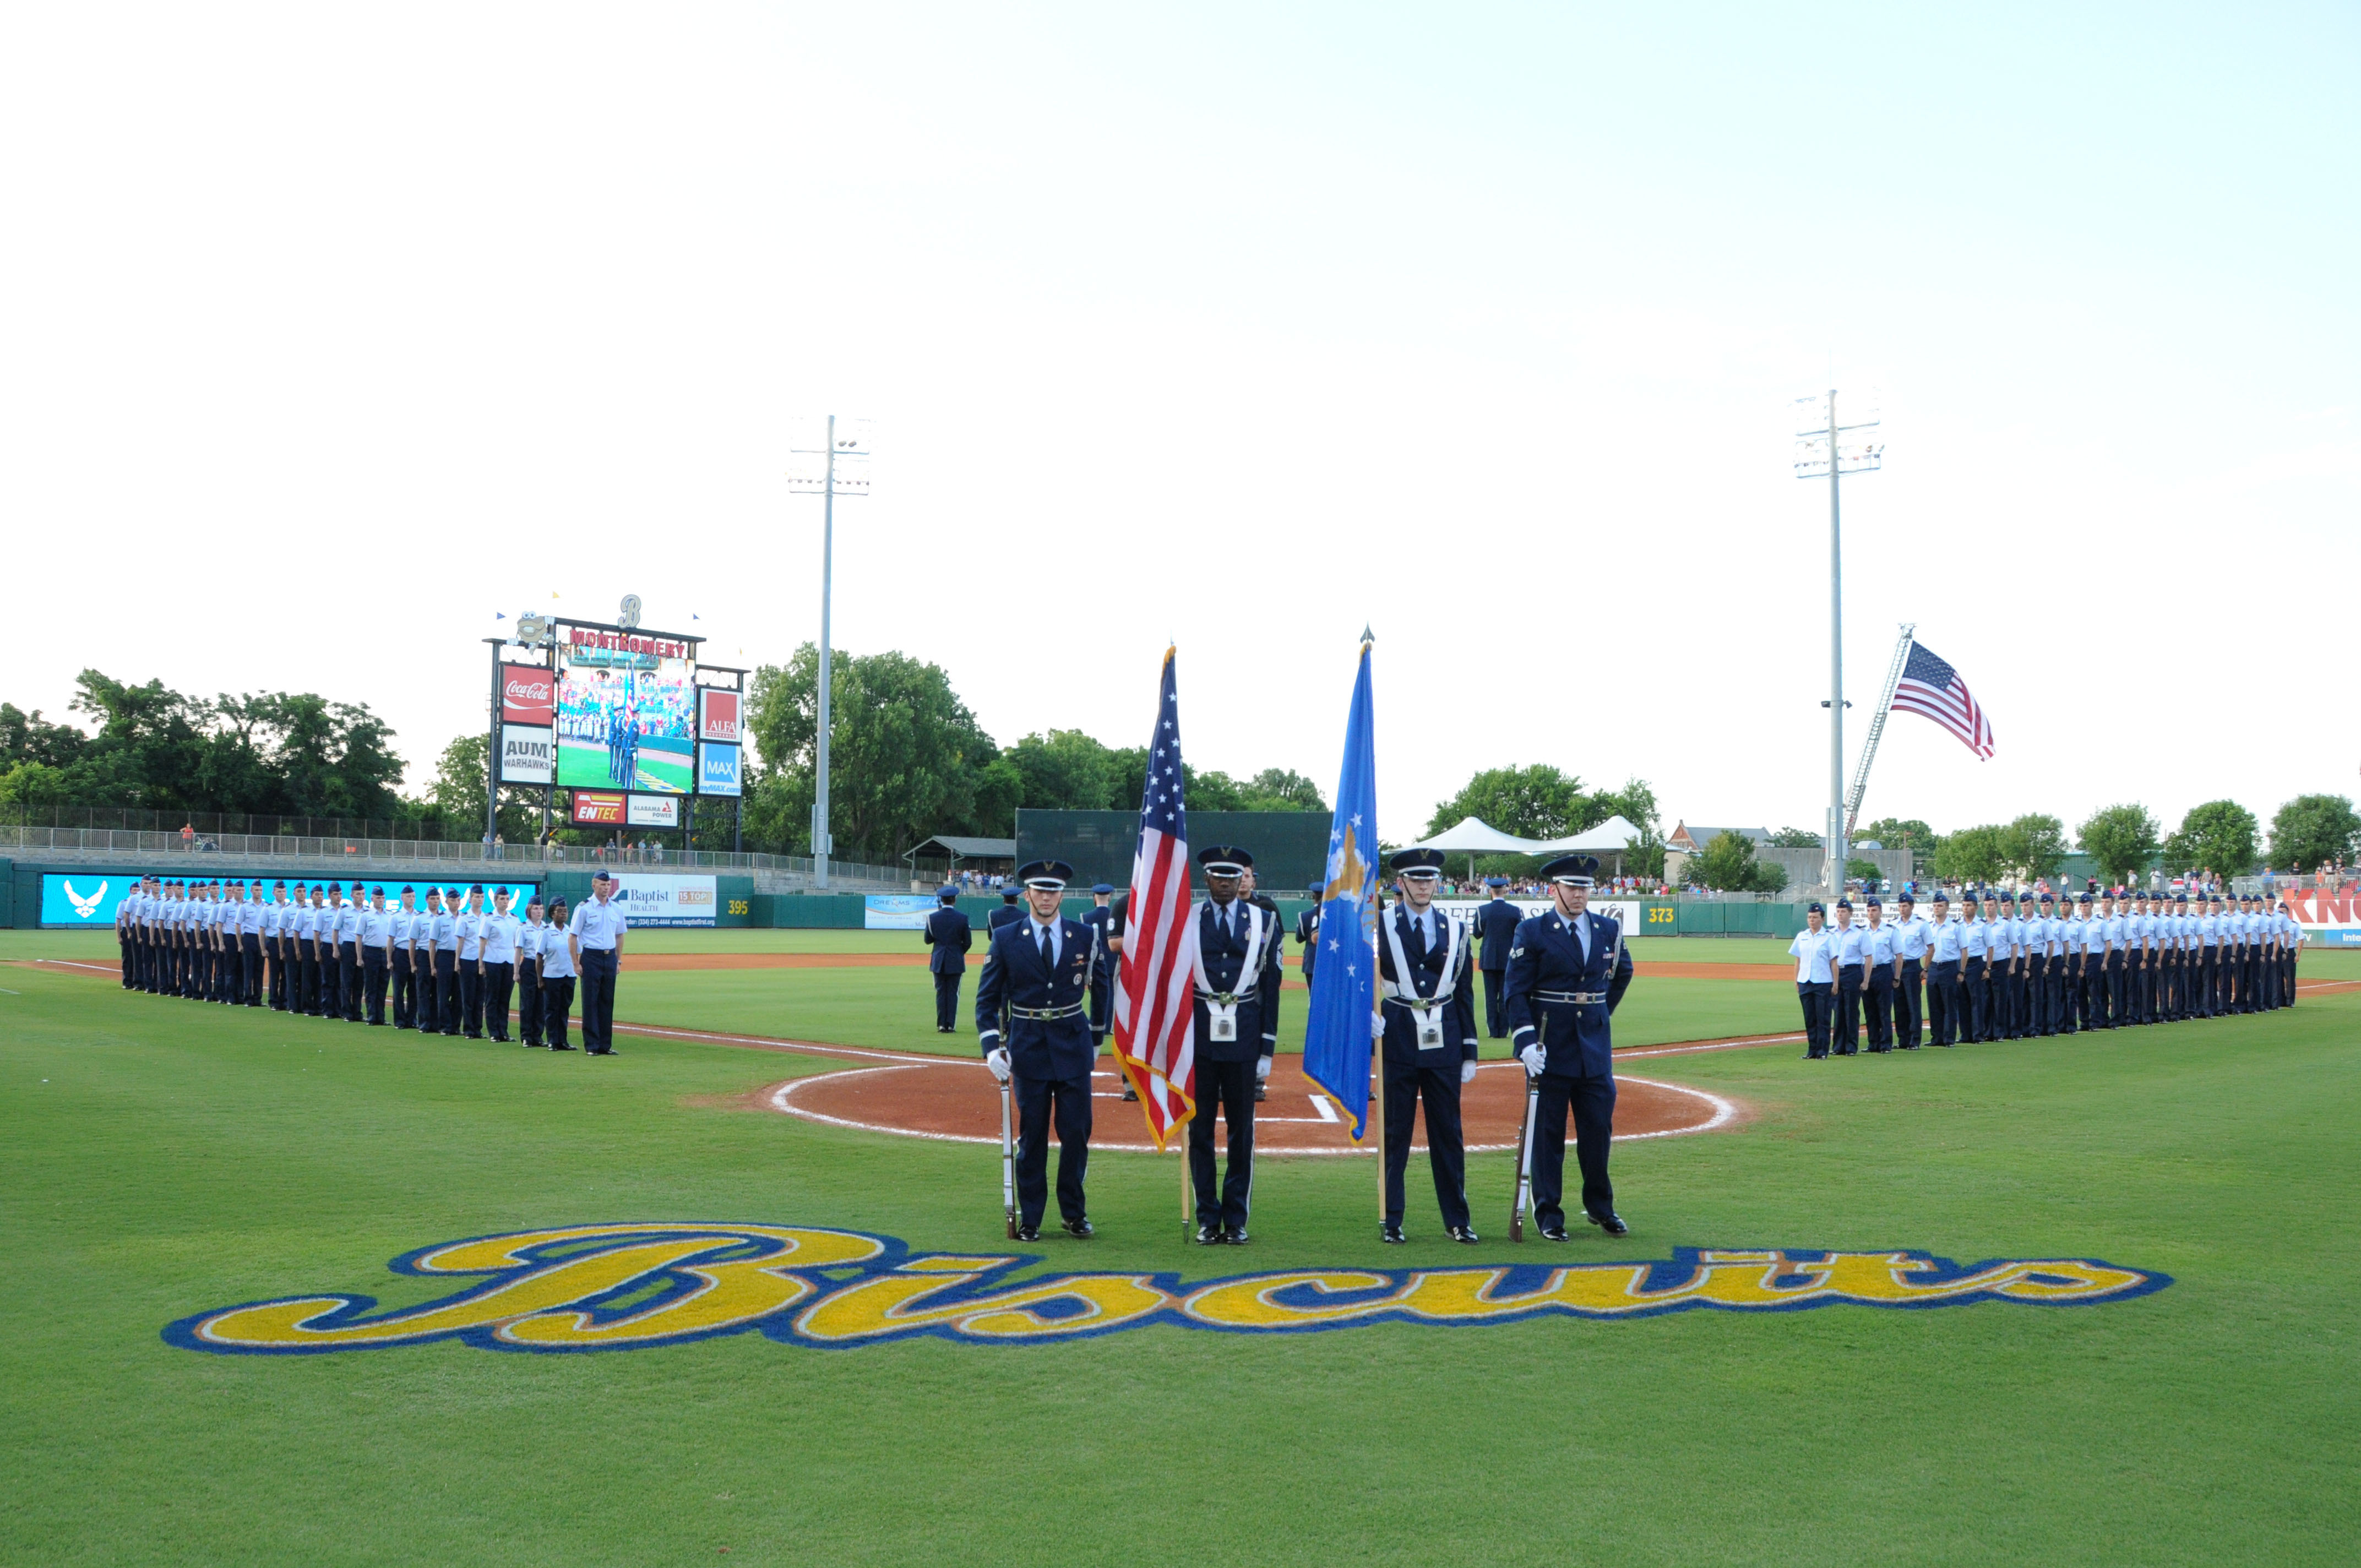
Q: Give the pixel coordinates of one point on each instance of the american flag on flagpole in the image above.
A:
(1932, 689)
(1155, 1022)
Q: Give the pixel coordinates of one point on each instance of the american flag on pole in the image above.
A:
(1154, 1023)
(1933, 689)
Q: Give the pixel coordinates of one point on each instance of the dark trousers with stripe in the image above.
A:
(1446, 1154)
(1496, 1006)
(1592, 1102)
(1229, 1087)
(947, 990)
(1037, 1099)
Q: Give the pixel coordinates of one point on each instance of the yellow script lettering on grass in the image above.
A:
(625, 1287)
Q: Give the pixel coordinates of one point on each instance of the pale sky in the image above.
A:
(325, 332)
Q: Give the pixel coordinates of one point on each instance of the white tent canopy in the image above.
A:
(1476, 838)
(1610, 836)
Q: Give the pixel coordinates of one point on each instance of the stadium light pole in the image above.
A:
(842, 469)
(1836, 450)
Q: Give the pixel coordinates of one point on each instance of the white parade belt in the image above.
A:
(1574, 998)
(1427, 1010)
(1045, 1014)
(1221, 1006)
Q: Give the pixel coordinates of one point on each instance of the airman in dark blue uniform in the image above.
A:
(1497, 924)
(1029, 1016)
(1307, 931)
(1237, 1016)
(1567, 973)
(1100, 918)
(1007, 911)
(1429, 1037)
(947, 933)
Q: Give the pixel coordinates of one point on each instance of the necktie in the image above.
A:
(1049, 954)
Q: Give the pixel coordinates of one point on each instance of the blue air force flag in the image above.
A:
(1336, 1033)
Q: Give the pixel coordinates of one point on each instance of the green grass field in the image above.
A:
(584, 763)
(164, 1159)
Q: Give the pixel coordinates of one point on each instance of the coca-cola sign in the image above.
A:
(528, 695)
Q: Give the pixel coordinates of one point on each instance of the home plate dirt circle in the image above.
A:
(957, 1101)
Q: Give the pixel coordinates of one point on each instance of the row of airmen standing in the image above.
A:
(2008, 967)
(454, 966)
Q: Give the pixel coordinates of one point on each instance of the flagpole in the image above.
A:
(1187, 1192)
(1377, 1047)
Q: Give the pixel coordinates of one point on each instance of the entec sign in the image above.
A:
(528, 695)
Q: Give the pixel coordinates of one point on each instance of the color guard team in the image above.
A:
(456, 967)
(1040, 1010)
(2003, 966)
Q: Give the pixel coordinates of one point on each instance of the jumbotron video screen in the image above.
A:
(628, 729)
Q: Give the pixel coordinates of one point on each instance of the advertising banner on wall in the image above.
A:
(2334, 916)
(897, 911)
(1628, 911)
(528, 695)
(83, 901)
(650, 811)
(717, 769)
(717, 716)
(524, 754)
(665, 900)
(597, 809)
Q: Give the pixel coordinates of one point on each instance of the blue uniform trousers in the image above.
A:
(1908, 1005)
(1818, 1004)
(1975, 978)
(1496, 1017)
(1592, 1102)
(1945, 999)
(947, 990)
(1228, 1086)
(2116, 1003)
(1445, 1153)
(1846, 1038)
(444, 1016)
(1036, 1097)
(1880, 992)
(597, 1001)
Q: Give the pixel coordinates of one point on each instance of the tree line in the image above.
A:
(2125, 841)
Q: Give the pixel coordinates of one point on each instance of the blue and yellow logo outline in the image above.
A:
(636, 1286)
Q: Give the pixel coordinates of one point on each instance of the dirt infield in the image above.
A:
(956, 1101)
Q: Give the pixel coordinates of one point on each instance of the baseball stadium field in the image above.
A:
(2079, 1300)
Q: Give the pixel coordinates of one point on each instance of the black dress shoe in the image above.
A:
(561, 1048)
(1209, 1235)
(607, 1052)
(1464, 1233)
(1611, 1222)
(1392, 1235)
(1079, 1228)
(1553, 1233)
(1024, 1233)
(1234, 1236)
(1129, 1092)
(1258, 1091)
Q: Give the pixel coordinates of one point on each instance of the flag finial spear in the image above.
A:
(1367, 635)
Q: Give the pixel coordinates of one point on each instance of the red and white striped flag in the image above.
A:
(1155, 1013)
(1933, 689)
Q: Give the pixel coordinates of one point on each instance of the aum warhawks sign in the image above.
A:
(630, 1287)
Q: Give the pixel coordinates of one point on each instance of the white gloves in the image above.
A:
(1376, 1026)
(1467, 1073)
(1262, 1069)
(1531, 1057)
(997, 1060)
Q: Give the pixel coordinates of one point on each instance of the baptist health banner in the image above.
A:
(665, 900)
(897, 911)
(81, 900)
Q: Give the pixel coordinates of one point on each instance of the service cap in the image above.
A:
(1423, 864)
(1102, 888)
(1046, 876)
(1225, 859)
(1572, 871)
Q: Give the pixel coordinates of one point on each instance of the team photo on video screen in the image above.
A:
(627, 728)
